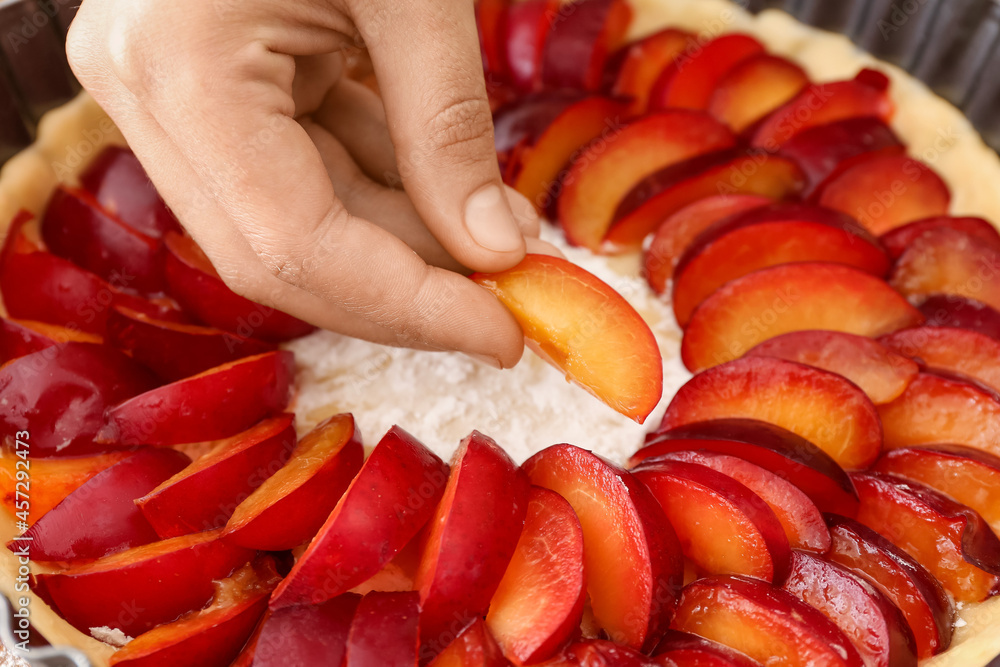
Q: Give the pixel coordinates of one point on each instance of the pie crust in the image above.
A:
(936, 132)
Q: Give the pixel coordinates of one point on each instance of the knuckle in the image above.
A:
(292, 255)
(128, 74)
(126, 42)
(281, 259)
(462, 130)
(125, 46)
(243, 280)
(283, 264)
(79, 49)
(413, 330)
(432, 303)
(410, 308)
(128, 55)
(85, 42)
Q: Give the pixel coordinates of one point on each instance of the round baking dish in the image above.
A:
(941, 41)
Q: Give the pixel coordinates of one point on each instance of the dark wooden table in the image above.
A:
(34, 76)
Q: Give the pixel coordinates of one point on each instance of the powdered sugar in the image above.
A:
(441, 397)
(9, 659)
(112, 636)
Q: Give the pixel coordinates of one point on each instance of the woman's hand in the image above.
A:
(281, 169)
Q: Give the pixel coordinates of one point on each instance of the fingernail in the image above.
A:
(525, 213)
(490, 221)
(539, 247)
(484, 359)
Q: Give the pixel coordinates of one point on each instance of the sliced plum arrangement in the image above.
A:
(825, 489)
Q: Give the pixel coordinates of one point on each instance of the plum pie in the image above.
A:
(779, 316)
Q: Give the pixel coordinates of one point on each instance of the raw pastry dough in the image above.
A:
(936, 131)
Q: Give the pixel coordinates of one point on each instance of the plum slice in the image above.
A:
(939, 408)
(631, 553)
(582, 35)
(194, 282)
(822, 407)
(663, 193)
(215, 404)
(389, 501)
(927, 609)
(120, 184)
(138, 589)
(879, 371)
(672, 238)
(887, 191)
(385, 631)
(953, 542)
(960, 351)
(867, 617)
(635, 68)
(769, 236)
(604, 172)
(211, 636)
(307, 634)
(541, 164)
(52, 480)
(100, 517)
(584, 328)
(479, 519)
(522, 122)
(490, 16)
(539, 602)
(690, 80)
(59, 395)
(949, 310)
(799, 517)
(825, 150)
(787, 298)
(970, 476)
(763, 622)
(175, 351)
(292, 504)
(76, 228)
(948, 261)
(40, 286)
(203, 495)
(524, 30)
(821, 103)
(771, 447)
(898, 239)
(723, 527)
(755, 87)
(19, 338)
